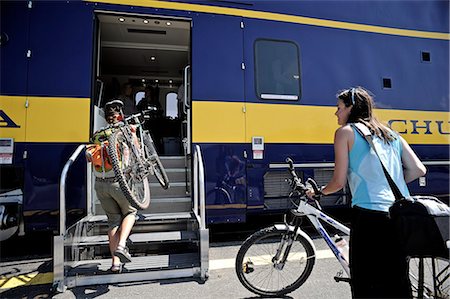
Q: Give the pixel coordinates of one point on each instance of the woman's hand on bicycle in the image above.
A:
(310, 193)
(313, 192)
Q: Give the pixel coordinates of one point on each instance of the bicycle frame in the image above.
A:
(315, 215)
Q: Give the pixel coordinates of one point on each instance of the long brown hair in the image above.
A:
(362, 111)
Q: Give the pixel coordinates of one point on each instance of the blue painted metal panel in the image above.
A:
(61, 40)
(14, 24)
(334, 59)
(410, 14)
(416, 15)
(41, 191)
(225, 182)
(217, 50)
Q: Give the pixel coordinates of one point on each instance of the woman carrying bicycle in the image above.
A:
(120, 213)
(378, 268)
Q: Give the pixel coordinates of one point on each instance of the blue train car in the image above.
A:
(251, 82)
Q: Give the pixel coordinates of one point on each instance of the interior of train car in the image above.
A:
(142, 60)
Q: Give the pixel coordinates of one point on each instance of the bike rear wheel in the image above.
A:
(430, 277)
(152, 156)
(257, 271)
(128, 168)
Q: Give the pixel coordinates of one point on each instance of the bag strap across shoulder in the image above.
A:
(365, 132)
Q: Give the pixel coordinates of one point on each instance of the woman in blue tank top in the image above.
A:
(378, 268)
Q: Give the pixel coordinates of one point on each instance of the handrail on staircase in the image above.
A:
(58, 241)
(199, 204)
(199, 187)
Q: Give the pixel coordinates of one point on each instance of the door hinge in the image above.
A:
(30, 4)
(245, 154)
(243, 65)
(244, 109)
(25, 155)
(27, 103)
(29, 53)
(242, 25)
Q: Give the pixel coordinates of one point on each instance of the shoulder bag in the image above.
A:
(421, 222)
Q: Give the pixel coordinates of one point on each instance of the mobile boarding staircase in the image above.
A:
(169, 240)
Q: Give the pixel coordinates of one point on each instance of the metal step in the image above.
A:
(175, 175)
(175, 190)
(169, 205)
(95, 272)
(153, 218)
(173, 161)
(171, 236)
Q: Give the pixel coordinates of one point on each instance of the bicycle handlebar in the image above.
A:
(143, 113)
(297, 183)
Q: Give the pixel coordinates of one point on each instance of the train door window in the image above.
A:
(171, 105)
(277, 70)
(139, 96)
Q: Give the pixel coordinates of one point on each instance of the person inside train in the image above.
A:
(126, 96)
(378, 267)
(119, 212)
(150, 100)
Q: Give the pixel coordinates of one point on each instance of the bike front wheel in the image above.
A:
(262, 273)
(128, 168)
(152, 156)
(430, 277)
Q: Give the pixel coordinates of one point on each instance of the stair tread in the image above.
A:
(141, 263)
(171, 199)
(148, 217)
(171, 184)
(139, 238)
(163, 236)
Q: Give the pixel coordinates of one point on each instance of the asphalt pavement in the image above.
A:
(31, 276)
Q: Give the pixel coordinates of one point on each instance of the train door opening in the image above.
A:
(144, 61)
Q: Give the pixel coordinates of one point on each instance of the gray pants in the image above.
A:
(113, 201)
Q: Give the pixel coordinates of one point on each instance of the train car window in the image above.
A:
(171, 105)
(139, 96)
(277, 70)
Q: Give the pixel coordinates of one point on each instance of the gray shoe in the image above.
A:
(123, 254)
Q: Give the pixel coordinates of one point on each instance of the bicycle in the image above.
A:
(134, 157)
(278, 259)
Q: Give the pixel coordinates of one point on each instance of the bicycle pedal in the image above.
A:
(339, 279)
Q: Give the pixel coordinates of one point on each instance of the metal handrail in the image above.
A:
(58, 243)
(62, 189)
(186, 83)
(199, 187)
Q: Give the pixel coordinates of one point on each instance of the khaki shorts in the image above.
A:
(113, 201)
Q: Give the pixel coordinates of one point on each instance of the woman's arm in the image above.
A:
(412, 166)
(343, 140)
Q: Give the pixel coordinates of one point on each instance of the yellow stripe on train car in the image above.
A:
(238, 122)
(45, 119)
(279, 17)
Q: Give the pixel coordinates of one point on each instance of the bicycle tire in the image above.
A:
(270, 238)
(436, 277)
(133, 183)
(152, 156)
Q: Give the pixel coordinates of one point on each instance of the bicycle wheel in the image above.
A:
(152, 156)
(129, 170)
(258, 271)
(434, 282)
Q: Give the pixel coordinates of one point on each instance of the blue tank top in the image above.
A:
(368, 184)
